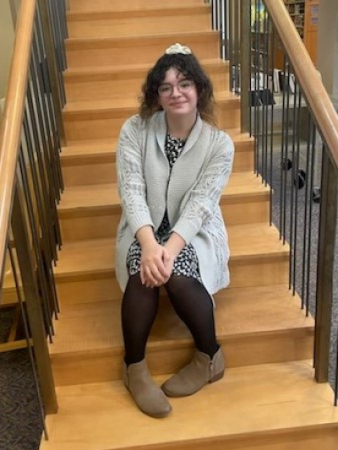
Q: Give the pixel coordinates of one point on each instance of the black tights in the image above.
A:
(190, 300)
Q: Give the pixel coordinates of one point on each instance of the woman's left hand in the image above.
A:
(173, 246)
(169, 264)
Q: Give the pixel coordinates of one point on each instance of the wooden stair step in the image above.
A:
(128, 103)
(271, 406)
(162, 19)
(93, 211)
(137, 49)
(127, 70)
(93, 162)
(104, 83)
(103, 119)
(85, 270)
(246, 241)
(253, 325)
(239, 311)
(77, 198)
(122, 5)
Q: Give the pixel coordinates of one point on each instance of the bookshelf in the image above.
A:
(305, 17)
(297, 12)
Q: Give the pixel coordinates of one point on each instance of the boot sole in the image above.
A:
(216, 377)
(155, 416)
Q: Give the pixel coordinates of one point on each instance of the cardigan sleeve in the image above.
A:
(205, 196)
(131, 183)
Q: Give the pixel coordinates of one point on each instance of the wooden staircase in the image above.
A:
(268, 398)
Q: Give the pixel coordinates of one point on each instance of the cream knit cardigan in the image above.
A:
(191, 194)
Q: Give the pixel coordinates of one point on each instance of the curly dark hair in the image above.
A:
(188, 65)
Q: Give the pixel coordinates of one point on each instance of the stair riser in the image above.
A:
(97, 224)
(114, 86)
(124, 51)
(255, 271)
(91, 172)
(103, 170)
(107, 125)
(240, 351)
(123, 5)
(106, 25)
(9, 297)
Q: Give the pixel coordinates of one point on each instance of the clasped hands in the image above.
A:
(156, 265)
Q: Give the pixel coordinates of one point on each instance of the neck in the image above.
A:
(180, 127)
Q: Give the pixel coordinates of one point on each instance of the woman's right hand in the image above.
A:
(153, 264)
(153, 257)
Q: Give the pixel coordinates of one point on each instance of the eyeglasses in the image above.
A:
(183, 86)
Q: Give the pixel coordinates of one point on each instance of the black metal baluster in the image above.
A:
(282, 165)
(34, 229)
(255, 98)
(43, 216)
(47, 83)
(265, 98)
(310, 180)
(295, 164)
(272, 129)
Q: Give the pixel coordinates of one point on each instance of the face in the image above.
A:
(179, 98)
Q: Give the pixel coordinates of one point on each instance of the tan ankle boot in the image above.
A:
(147, 395)
(200, 371)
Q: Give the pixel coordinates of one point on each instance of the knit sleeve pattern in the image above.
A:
(205, 196)
(131, 183)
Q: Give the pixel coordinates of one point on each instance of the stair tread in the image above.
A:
(77, 198)
(125, 102)
(247, 402)
(246, 241)
(132, 68)
(122, 6)
(103, 42)
(239, 311)
(159, 11)
(108, 146)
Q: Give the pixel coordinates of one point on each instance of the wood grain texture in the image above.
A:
(93, 211)
(251, 407)
(136, 50)
(247, 242)
(104, 119)
(122, 5)
(122, 23)
(254, 326)
(93, 162)
(102, 83)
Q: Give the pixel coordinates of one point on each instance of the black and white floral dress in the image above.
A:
(186, 263)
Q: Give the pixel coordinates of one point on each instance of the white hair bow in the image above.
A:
(178, 48)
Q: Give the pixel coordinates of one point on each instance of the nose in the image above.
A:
(175, 91)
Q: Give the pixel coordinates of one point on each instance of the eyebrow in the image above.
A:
(169, 84)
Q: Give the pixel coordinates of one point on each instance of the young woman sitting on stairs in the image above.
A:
(172, 165)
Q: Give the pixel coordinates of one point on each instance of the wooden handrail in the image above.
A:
(11, 123)
(314, 91)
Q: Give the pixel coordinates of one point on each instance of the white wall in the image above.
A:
(328, 46)
(335, 71)
(6, 43)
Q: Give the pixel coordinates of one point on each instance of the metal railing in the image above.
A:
(296, 143)
(31, 181)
